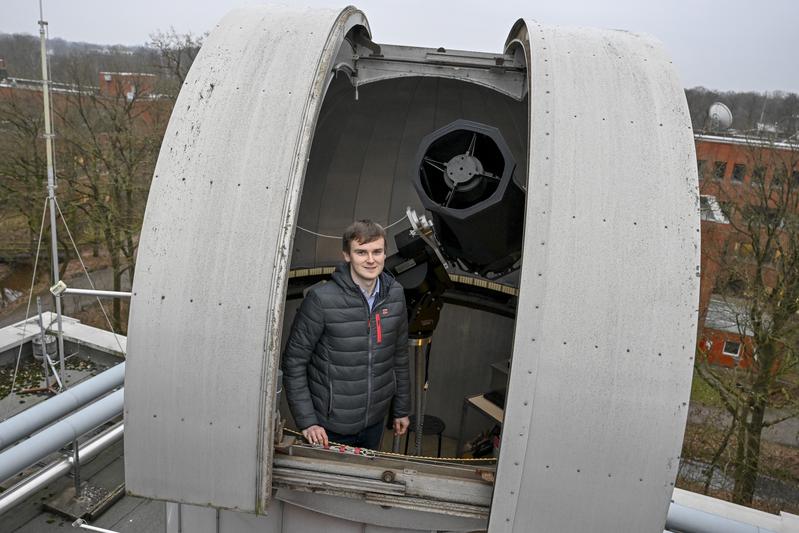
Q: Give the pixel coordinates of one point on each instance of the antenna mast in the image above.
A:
(51, 186)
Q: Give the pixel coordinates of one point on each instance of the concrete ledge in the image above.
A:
(739, 513)
(21, 332)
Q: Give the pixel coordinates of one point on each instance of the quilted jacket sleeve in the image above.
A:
(306, 331)
(401, 406)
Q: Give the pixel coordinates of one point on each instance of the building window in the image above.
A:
(780, 174)
(719, 169)
(758, 175)
(732, 348)
(701, 167)
(737, 287)
(738, 172)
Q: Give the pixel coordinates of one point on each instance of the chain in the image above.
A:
(343, 448)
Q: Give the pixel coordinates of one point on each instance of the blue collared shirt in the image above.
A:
(370, 298)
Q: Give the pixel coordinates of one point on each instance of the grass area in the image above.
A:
(704, 394)
(777, 461)
(14, 233)
(12, 220)
(73, 270)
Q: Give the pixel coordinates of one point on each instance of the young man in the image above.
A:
(347, 353)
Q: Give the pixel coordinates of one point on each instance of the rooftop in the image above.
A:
(89, 351)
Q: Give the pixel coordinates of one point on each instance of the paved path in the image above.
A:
(786, 432)
(102, 279)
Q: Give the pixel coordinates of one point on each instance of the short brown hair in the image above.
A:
(362, 231)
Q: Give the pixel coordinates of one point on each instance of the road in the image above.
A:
(102, 279)
(785, 432)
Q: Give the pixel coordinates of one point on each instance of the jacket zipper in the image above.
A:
(379, 328)
(368, 370)
(369, 354)
(330, 398)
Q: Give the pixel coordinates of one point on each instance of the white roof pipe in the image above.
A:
(688, 520)
(27, 487)
(41, 414)
(54, 437)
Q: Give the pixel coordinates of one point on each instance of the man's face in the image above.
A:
(367, 259)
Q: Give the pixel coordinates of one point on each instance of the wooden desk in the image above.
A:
(479, 403)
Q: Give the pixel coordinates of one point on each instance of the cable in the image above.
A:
(30, 297)
(91, 283)
(319, 234)
(395, 223)
(339, 236)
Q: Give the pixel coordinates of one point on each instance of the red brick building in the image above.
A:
(137, 88)
(130, 84)
(732, 169)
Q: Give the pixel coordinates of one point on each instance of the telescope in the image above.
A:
(542, 216)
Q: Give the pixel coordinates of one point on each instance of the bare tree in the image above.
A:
(22, 166)
(22, 56)
(23, 170)
(176, 53)
(111, 140)
(758, 279)
(777, 110)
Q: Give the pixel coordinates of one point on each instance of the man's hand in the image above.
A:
(316, 435)
(401, 425)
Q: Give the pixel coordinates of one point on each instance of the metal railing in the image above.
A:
(53, 438)
(32, 484)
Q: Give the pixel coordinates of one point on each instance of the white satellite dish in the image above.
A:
(720, 116)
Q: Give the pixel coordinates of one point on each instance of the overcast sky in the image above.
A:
(718, 44)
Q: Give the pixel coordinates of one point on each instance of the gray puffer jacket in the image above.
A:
(343, 364)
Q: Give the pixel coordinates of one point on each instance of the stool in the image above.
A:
(431, 425)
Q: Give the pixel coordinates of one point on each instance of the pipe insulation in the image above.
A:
(29, 486)
(54, 437)
(41, 414)
(689, 520)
